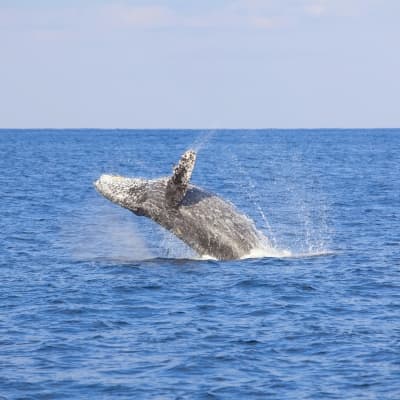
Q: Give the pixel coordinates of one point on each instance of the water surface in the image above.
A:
(99, 303)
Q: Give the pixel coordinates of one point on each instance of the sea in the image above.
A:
(98, 303)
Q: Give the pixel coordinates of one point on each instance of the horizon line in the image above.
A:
(196, 129)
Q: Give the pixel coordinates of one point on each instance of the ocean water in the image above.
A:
(96, 302)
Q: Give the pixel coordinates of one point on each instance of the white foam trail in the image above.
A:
(279, 253)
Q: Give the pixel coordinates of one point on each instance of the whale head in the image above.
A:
(145, 197)
(129, 193)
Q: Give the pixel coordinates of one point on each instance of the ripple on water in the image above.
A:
(91, 307)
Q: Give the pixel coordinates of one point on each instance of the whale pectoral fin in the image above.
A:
(178, 183)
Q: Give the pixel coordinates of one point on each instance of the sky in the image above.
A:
(205, 64)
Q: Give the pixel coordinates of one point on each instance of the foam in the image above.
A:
(267, 252)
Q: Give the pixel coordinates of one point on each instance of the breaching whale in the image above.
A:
(207, 223)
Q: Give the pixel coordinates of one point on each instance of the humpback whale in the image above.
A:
(204, 221)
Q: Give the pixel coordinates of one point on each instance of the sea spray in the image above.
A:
(298, 221)
(125, 242)
(251, 197)
(203, 140)
(104, 232)
(307, 207)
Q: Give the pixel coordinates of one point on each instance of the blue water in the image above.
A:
(97, 303)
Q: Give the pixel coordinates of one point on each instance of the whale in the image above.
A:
(210, 225)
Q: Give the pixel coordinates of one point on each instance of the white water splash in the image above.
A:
(106, 233)
(264, 252)
(250, 195)
(306, 233)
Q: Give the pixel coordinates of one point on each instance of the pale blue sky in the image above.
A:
(200, 64)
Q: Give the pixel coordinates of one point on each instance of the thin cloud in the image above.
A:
(153, 16)
(336, 8)
(51, 17)
(316, 9)
(232, 15)
(159, 17)
(300, 9)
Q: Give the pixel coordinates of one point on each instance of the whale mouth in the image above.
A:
(111, 187)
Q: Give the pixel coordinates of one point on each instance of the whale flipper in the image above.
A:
(178, 183)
